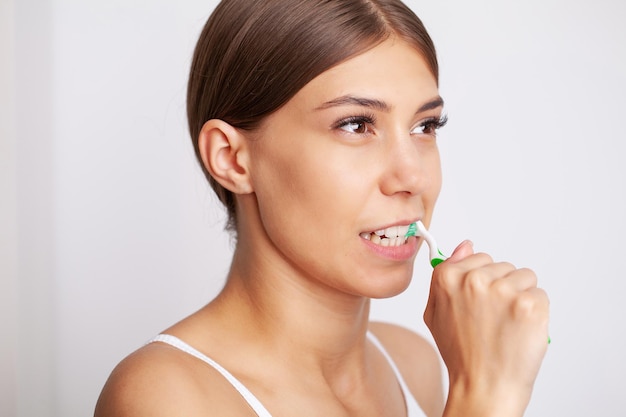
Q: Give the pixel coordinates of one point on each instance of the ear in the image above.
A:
(224, 153)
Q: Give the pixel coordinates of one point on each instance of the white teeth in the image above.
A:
(393, 236)
(384, 241)
(391, 232)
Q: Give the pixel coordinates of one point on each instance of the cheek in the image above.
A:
(287, 185)
(432, 168)
(302, 198)
(436, 174)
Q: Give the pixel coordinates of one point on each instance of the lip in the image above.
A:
(400, 253)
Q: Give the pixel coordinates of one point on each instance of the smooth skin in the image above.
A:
(353, 151)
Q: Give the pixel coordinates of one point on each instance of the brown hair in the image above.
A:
(253, 56)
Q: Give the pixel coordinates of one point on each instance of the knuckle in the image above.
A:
(501, 287)
(444, 278)
(484, 257)
(530, 275)
(525, 305)
(508, 266)
(477, 280)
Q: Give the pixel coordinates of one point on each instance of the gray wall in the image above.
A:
(109, 233)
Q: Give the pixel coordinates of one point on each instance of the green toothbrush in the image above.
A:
(436, 257)
(418, 229)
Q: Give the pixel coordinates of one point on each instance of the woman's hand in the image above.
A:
(490, 322)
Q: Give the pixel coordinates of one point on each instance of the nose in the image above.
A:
(409, 166)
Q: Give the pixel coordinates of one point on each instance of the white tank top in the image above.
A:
(413, 409)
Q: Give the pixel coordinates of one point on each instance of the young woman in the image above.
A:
(315, 122)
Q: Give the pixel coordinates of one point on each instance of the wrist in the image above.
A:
(467, 399)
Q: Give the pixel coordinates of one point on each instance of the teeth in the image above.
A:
(391, 232)
(391, 236)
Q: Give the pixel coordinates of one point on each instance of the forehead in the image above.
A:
(392, 71)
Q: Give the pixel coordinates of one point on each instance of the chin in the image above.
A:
(389, 285)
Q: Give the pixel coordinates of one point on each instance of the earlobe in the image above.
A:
(224, 154)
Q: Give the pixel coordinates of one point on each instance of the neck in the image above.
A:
(290, 311)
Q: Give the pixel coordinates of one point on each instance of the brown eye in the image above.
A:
(430, 126)
(355, 127)
(427, 128)
(358, 125)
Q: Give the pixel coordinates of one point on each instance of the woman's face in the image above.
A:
(352, 153)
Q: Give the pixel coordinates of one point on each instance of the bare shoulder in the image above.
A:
(158, 380)
(418, 362)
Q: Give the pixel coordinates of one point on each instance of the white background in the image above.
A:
(109, 233)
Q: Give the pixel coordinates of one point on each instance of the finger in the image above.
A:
(488, 275)
(535, 300)
(497, 270)
(544, 309)
(533, 307)
(469, 262)
(462, 251)
(521, 279)
(449, 275)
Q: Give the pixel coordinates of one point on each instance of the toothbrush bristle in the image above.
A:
(412, 230)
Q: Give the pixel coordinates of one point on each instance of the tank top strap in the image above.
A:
(253, 401)
(412, 407)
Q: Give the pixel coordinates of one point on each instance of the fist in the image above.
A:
(490, 323)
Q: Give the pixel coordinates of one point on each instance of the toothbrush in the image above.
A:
(418, 229)
(436, 257)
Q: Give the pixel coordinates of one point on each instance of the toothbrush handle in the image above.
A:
(436, 257)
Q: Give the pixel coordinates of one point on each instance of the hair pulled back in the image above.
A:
(253, 56)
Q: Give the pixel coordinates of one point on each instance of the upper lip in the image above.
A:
(398, 223)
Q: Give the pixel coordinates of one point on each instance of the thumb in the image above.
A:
(465, 249)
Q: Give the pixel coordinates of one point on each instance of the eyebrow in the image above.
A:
(375, 104)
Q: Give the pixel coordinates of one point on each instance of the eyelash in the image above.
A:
(430, 126)
(434, 124)
(363, 119)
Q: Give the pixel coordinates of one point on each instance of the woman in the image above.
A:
(315, 122)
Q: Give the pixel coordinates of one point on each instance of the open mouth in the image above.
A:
(391, 236)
